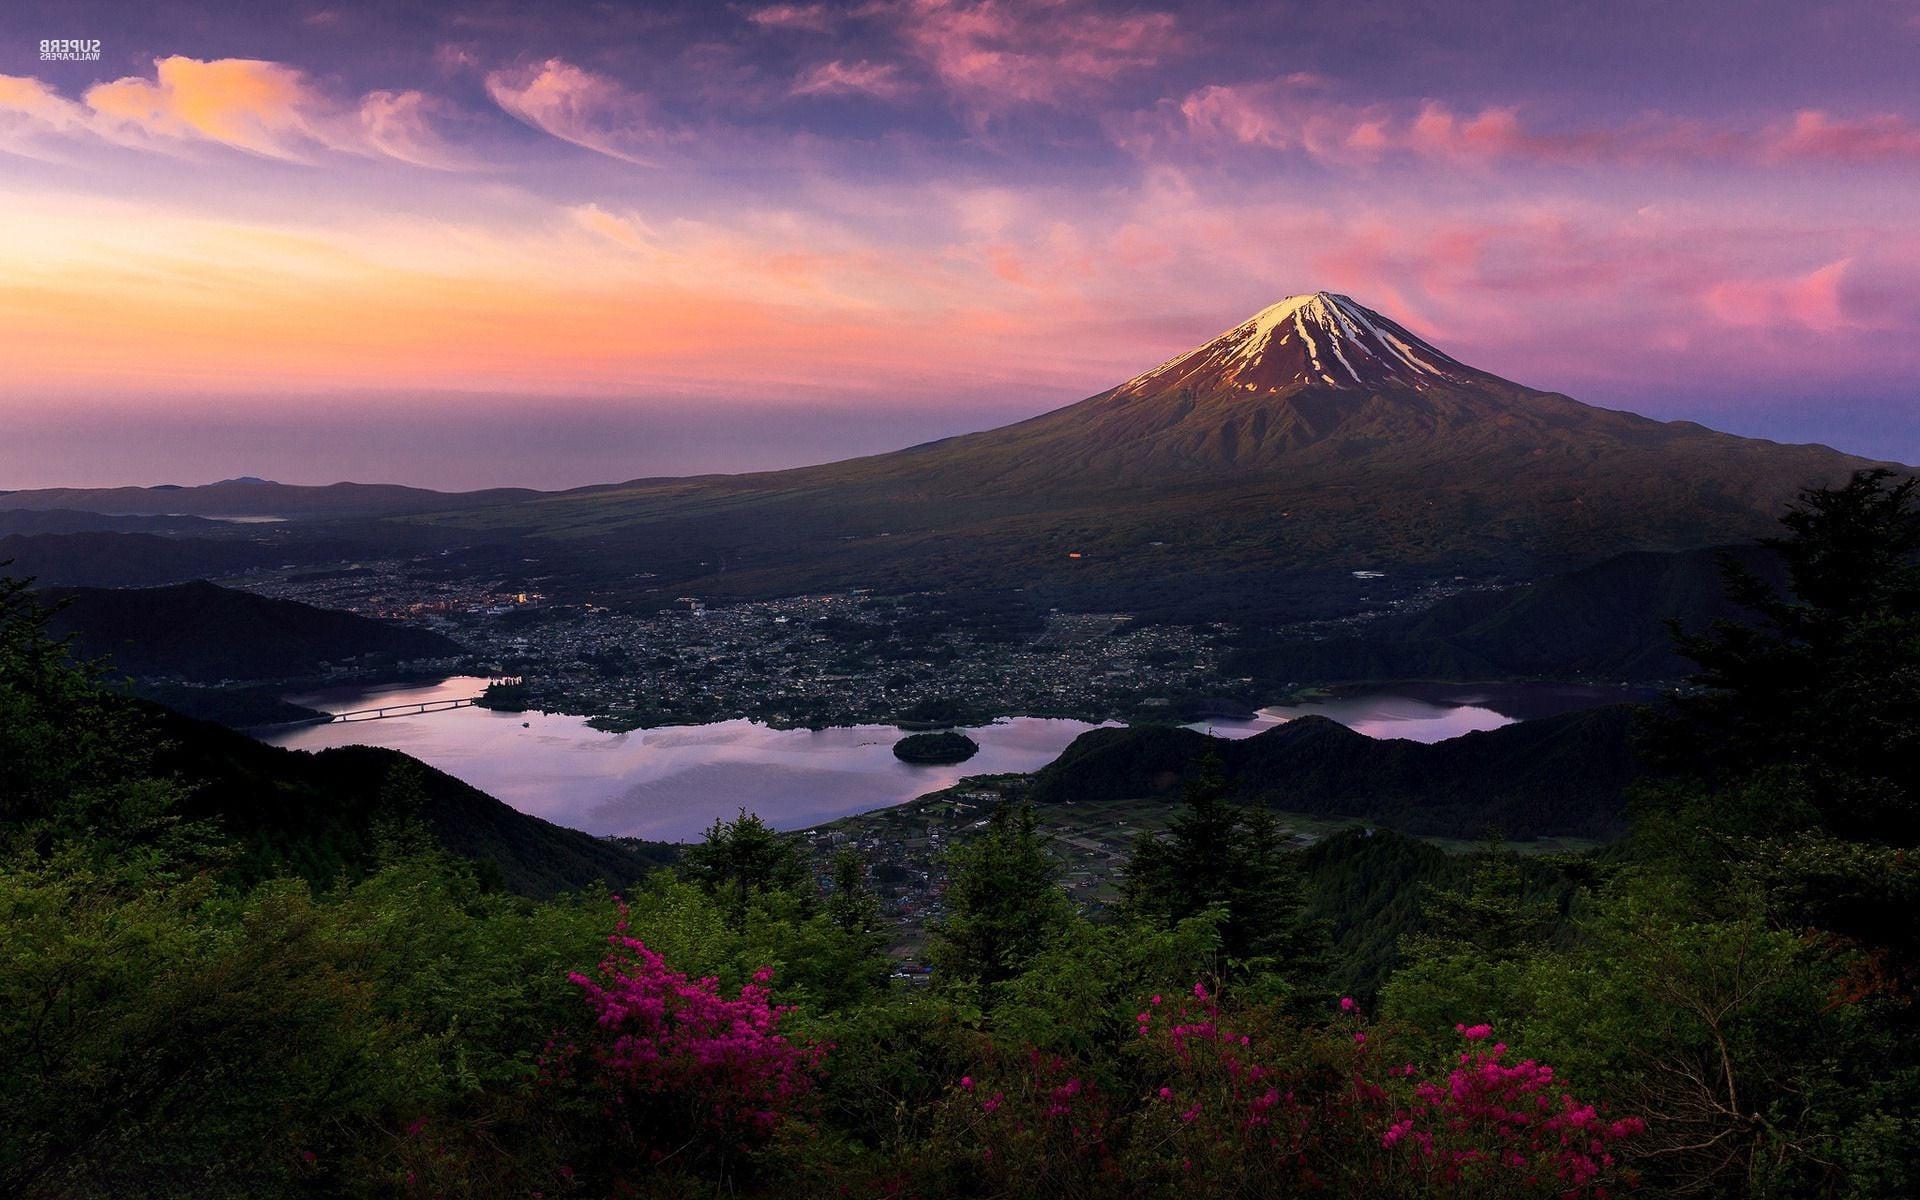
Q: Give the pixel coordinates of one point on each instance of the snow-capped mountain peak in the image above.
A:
(1317, 339)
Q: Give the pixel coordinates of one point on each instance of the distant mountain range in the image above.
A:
(201, 633)
(72, 520)
(248, 496)
(1555, 776)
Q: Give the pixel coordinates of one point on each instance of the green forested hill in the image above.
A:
(1564, 775)
(321, 815)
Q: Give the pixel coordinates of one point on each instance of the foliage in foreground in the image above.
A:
(1726, 1000)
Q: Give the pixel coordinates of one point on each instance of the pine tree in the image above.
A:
(1218, 855)
(744, 858)
(1004, 901)
(1798, 763)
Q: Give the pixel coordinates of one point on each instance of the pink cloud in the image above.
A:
(1289, 115)
(627, 229)
(1811, 300)
(1814, 136)
(1000, 52)
(813, 18)
(578, 106)
(403, 125)
(840, 78)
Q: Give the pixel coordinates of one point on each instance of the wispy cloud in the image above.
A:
(1298, 114)
(813, 18)
(996, 53)
(839, 78)
(578, 106)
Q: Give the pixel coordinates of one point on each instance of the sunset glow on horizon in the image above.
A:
(922, 216)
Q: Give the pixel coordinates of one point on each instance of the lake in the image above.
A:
(671, 783)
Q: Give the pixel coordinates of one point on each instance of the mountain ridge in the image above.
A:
(1564, 775)
(1247, 479)
(1183, 494)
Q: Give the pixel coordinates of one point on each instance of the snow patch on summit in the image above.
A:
(1319, 339)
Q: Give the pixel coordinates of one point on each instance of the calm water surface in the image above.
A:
(1433, 712)
(672, 783)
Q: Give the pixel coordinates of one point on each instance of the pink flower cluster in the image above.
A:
(1493, 1121)
(679, 1059)
(1244, 1101)
(1222, 1087)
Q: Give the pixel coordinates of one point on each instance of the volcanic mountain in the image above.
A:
(1251, 477)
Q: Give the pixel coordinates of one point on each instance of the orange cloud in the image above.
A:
(260, 107)
(248, 104)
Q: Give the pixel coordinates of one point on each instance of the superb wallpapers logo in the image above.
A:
(70, 50)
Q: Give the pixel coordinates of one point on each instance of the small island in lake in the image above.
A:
(936, 749)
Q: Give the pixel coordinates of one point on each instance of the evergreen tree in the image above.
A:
(745, 858)
(1492, 917)
(77, 760)
(1220, 855)
(1004, 901)
(1798, 763)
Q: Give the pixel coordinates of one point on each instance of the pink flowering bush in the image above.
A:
(1505, 1129)
(1244, 1103)
(1035, 1122)
(673, 1067)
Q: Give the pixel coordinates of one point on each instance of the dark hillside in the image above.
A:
(323, 815)
(203, 633)
(1557, 776)
(1608, 621)
(144, 559)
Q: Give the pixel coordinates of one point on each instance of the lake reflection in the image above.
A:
(671, 783)
(1432, 712)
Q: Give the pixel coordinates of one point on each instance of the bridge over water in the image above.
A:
(401, 710)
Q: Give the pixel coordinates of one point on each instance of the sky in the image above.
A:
(467, 244)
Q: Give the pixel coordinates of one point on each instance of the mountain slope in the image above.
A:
(318, 815)
(1247, 478)
(1564, 775)
(1607, 621)
(101, 559)
(203, 633)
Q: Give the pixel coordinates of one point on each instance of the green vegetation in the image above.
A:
(245, 980)
(936, 749)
